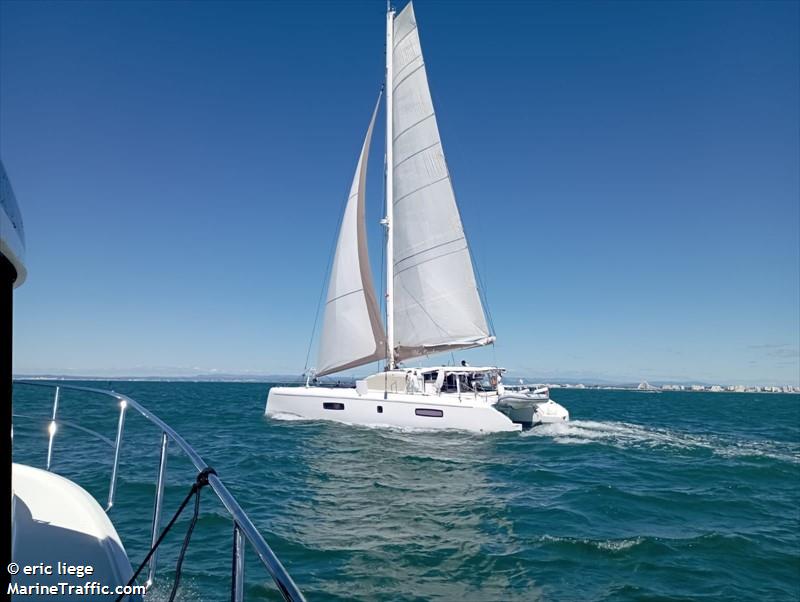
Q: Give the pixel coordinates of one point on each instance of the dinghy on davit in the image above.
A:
(432, 300)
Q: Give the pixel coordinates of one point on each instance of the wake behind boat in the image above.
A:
(432, 300)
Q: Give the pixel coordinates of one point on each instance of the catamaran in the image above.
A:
(432, 300)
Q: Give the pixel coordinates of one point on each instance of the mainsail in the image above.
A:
(352, 332)
(436, 302)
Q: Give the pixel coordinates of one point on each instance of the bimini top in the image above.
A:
(12, 234)
(456, 369)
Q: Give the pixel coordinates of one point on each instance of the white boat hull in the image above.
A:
(376, 408)
(54, 520)
(530, 411)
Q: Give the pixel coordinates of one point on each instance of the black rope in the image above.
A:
(200, 482)
(233, 563)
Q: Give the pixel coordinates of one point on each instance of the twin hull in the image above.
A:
(388, 409)
(529, 410)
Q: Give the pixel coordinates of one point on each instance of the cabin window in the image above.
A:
(450, 385)
(332, 405)
(429, 412)
(380, 409)
(430, 377)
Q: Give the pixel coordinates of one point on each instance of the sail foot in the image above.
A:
(404, 353)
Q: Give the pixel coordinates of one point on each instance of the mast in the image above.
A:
(390, 359)
(435, 304)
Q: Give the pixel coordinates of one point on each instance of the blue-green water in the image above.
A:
(672, 496)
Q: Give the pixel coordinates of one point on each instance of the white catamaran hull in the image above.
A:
(530, 411)
(374, 408)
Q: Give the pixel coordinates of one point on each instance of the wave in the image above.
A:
(287, 417)
(606, 545)
(626, 435)
(697, 543)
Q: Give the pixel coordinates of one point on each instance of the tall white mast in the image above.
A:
(390, 360)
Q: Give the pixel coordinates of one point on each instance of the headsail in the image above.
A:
(352, 331)
(436, 302)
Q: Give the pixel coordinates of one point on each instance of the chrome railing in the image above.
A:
(243, 528)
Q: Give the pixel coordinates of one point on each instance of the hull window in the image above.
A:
(380, 409)
(333, 405)
(428, 412)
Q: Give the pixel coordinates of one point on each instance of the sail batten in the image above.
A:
(352, 331)
(436, 302)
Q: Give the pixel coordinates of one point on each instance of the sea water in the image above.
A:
(670, 496)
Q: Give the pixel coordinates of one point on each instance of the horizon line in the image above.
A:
(294, 377)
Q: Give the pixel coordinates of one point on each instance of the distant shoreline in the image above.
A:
(294, 379)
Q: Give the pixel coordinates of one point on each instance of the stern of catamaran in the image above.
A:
(531, 408)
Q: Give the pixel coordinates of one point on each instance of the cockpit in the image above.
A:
(462, 379)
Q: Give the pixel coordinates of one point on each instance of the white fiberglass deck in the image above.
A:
(56, 521)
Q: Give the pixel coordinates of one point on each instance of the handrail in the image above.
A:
(242, 524)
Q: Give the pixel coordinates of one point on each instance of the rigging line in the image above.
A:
(187, 537)
(385, 240)
(331, 252)
(385, 308)
(200, 481)
(484, 297)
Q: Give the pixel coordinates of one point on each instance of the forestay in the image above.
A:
(352, 332)
(436, 302)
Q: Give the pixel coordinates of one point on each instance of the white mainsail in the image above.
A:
(436, 302)
(352, 331)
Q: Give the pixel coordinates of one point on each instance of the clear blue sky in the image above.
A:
(627, 174)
